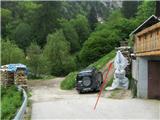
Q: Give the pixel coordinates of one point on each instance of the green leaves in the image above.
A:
(6, 17)
(22, 35)
(145, 10)
(11, 53)
(76, 31)
(71, 35)
(57, 53)
(37, 63)
(82, 28)
(11, 100)
(98, 44)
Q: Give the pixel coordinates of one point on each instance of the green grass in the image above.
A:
(11, 100)
(105, 59)
(69, 82)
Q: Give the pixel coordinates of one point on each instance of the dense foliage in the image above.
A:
(57, 53)
(11, 99)
(11, 53)
(36, 61)
(71, 35)
(57, 37)
(106, 37)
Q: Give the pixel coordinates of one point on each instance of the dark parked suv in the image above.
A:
(89, 80)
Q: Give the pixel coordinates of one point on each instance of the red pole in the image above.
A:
(104, 82)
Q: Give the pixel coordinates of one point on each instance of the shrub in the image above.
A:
(98, 44)
(11, 101)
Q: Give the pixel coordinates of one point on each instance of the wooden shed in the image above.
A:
(146, 66)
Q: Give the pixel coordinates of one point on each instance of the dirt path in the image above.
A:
(49, 102)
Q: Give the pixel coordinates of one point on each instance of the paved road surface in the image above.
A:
(49, 102)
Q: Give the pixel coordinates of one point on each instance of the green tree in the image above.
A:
(82, 27)
(116, 21)
(70, 9)
(36, 61)
(57, 53)
(145, 10)
(22, 35)
(97, 45)
(6, 17)
(129, 8)
(70, 35)
(11, 53)
(45, 20)
(106, 36)
(92, 18)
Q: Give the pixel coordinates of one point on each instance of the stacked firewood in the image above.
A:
(7, 78)
(21, 78)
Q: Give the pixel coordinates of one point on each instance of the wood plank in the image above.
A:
(148, 42)
(150, 53)
(149, 29)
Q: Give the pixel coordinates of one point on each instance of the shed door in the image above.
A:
(154, 79)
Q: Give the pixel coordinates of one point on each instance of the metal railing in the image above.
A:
(22, 110)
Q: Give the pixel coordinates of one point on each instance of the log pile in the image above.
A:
(7, 78)
(14, 74)
(21, 78)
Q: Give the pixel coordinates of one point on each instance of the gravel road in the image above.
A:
(50, 102)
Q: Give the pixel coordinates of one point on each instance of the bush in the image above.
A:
(106, 37)
(98, 44)
(69, 82)
(11, 101)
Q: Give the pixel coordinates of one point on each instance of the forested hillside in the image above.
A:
(58, 37)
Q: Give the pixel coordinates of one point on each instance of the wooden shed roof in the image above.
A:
(149, 22)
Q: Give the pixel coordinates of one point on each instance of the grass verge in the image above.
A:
(11, 100)
(102, 61)
(69, 82)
